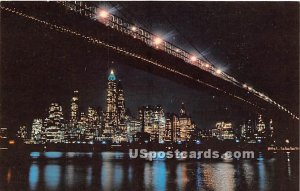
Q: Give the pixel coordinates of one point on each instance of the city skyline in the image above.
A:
(116, 124)
(56, 73)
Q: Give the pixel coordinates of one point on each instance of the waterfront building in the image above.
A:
(54, 124)
(3, 133)
(3, 137)
(260, 127)
(133, 127)
(74, 107)
(271, 128)
(93, 125)
(206, 134)
(261, 133)
(185, 125)
(115, 129)
(226, 131)
(111, 107)
(248, 131)
(36, 131)
(153, 122)
(22, 133)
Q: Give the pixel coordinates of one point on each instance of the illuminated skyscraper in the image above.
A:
(225, 131)
(36, 132)
(261, 127)
(54, 130)
(153, 122)
(115, 127)
(248, 131)
(82, 127)
(111, 107)
(93, 125)
(172, 131)
(120, 134)
(22, 133)
(3, 133)
(133, 127)
(3, 137)
(271, 128)
(185, 124)
(74, 108)
(261, 133)
(120, 103)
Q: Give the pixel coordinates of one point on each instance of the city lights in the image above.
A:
(133, 28)
(193, 58)
(157, 41)
(218, 71)
(103, 13)
(11, 142)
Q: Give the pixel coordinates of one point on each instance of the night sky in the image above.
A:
(255, 42)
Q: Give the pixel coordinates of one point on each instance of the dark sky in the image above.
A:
(256, 42)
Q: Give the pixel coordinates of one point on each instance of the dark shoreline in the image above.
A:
(124, 147)
(23, 149)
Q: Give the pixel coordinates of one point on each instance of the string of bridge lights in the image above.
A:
(104, 14)
(96, 41)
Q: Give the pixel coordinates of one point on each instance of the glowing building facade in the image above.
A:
(36, 131)
(133, 127)
(172, 131)
(74, 108)
(54, 124)
(153, 122)
(225, 131)
(115, 127)
(22, 133)
(185, 125)
(92, 129)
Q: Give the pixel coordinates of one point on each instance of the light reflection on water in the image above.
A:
(112, 171)
(33, 176)
(52, 176)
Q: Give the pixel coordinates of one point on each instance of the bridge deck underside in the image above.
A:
(54, 13)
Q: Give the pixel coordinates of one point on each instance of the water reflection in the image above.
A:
(159, 175)
(113, 171)
(33, 176)
(181, 176)
(52, 175)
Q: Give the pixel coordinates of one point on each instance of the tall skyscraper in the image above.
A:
(133, 127)
(261, 133)
(271, 128)
(172, 133)
(185, 124)
(93, 125)
(225, 131)
(261, 127)
(153, 122)
(36, 131)
(121, 130)
(74, 108)
(3, 137)
(54, 130)
(22, 133)
(115, 127)
(111, 107)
